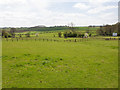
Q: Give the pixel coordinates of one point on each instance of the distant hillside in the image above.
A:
(55, 28)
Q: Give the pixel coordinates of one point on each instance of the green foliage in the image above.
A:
(108, 30)
(80, 35)
(20, 35)
(59, 34)
(5, 34)
(27, 35)
(54, 29)
(73, 34)
(90, 34)
(12, 32)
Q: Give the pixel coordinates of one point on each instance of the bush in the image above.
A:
(65, 34)
(59, 34)
(118, 34)
(9, 36)
(70, 34)
(28, 35)
(81, 35)
(20, 35)
(5, 34)
(90, 35)
(73, 34)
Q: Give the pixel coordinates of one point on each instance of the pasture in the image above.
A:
(30, 63)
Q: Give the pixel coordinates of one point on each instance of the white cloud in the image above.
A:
(12, 1)
(36, 12)
(81, 6)
(99, 2)
(39, 4)
(99, 9)
(108, 18)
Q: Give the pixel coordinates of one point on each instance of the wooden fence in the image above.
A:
(58, 40)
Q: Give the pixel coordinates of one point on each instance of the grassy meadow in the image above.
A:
(48, 64)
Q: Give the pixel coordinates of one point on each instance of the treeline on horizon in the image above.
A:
(108, 30)
(54, 28)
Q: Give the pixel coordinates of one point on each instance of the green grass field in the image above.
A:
(42, 64)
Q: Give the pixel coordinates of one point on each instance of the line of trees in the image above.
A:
(72, 32)
(10, 33)
(108, 30)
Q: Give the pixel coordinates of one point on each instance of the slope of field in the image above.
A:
(52, 29)
(38, 64)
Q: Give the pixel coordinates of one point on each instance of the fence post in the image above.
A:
(7, 39)
(17, 39)
(75, 40)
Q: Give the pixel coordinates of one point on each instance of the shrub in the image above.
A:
(20, 35)
(70, 34)
(59, 34)
(5, 34)
(90, 35)
(73, 34)
(118, 34)
(28, 35)
(65, 34)
(81, 35)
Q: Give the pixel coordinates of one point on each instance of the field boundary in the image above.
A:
(58, 40)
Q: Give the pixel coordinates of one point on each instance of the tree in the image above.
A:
(82, 35)
(90, 35)
(71, 27)
(107, 30)
(118, 29)
(12, 32)
(20, 35)
(59, 34)
(5, 34)
(101, 30)
(28, 35)
(65, 35)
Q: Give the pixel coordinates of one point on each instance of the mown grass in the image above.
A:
(38, 64)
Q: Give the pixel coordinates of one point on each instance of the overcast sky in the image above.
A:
(22, 13)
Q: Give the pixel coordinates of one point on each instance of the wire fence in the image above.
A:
(58, 39)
